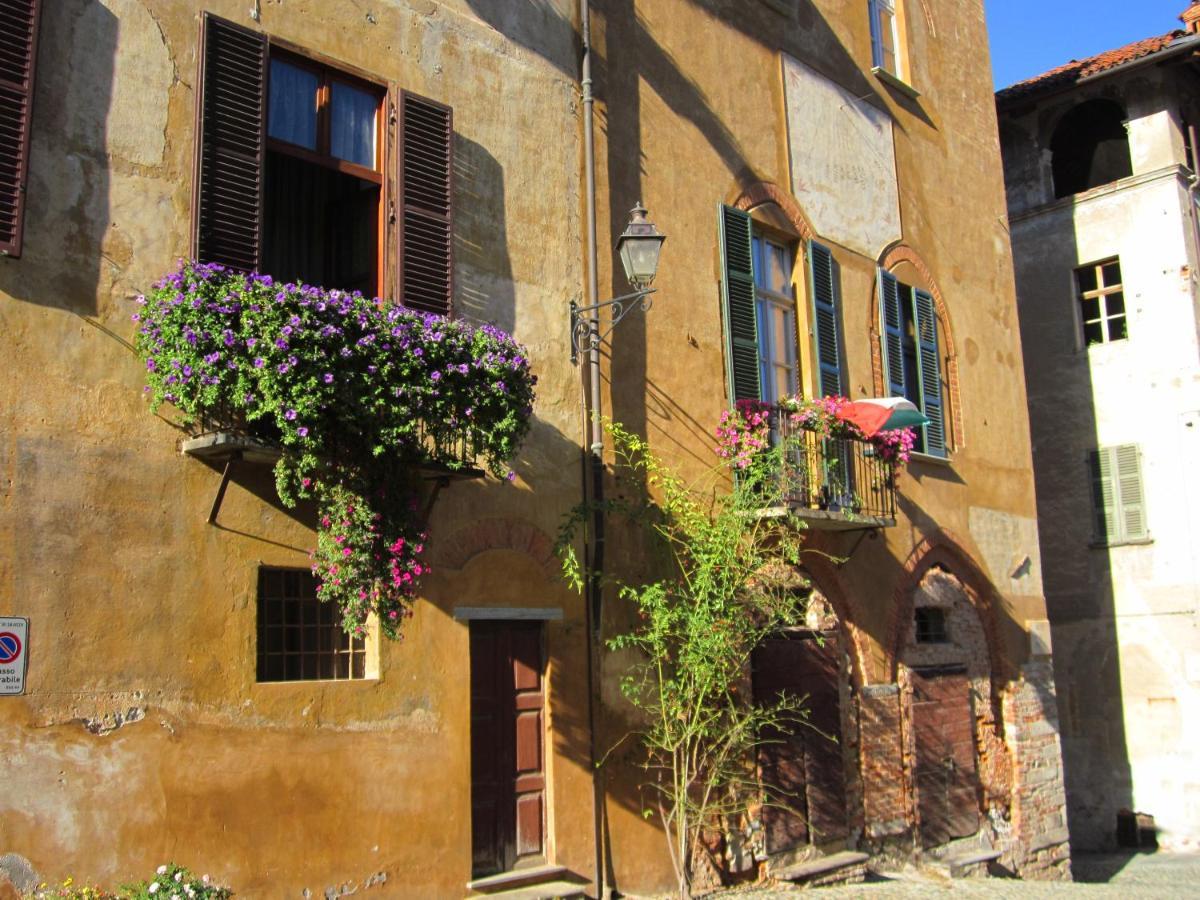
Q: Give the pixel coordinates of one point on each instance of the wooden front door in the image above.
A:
(945, 770)
(802, 768)
(508, 781)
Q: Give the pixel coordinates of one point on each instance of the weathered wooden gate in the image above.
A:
(946, 777)
(803, 768)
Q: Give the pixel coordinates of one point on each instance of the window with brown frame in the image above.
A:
(290, 172)
(323, 181)
(1101, 302)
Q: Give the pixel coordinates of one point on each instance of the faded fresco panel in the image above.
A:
(843, 161)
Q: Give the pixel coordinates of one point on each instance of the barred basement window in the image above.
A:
(299, 637)
(1102, 302)
(931, 626)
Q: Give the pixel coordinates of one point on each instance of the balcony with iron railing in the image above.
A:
(833, 484)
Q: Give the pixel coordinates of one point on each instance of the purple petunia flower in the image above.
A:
(259, 362)
(290, 415)
(329, 378)
(302, 431)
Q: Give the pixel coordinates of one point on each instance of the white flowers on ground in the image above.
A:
(161, 870)
(153, 887)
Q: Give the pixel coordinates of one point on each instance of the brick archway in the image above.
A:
(945, 551)
(519, 536)
(763, 192)
(895, 255)
(825, 578)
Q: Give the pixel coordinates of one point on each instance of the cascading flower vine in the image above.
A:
(356, 392)
(743, 432)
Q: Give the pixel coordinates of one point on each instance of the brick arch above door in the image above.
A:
(945, 551)
(459, 548)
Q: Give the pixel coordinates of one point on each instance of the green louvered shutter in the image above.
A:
(1119, 506)
(737, 291)
(1128, 486)
(929, 366)
(1105, 527)
(825, 319)
(893, 337)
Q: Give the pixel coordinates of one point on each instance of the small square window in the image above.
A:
(1101, 300)
(299, 638)
(931, 626)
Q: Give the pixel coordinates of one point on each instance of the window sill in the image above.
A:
(914, 456)
(895, 82)
(1105, 545)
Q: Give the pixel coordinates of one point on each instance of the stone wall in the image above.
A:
(1037, 846)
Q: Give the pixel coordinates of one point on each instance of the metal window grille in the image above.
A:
(299, 637)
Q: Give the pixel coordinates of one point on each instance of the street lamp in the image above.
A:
(638, 246)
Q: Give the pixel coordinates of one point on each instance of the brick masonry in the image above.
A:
(885, 795)
(1037, 847)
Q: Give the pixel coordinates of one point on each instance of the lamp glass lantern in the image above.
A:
(639, 246)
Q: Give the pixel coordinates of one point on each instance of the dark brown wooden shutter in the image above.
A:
(426, 188)
(18, 53)
(232, 117)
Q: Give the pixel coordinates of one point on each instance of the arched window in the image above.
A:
(1090, 147)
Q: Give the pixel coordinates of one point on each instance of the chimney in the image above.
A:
(1191, 17)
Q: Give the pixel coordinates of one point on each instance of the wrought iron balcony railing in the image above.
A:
(841, 482)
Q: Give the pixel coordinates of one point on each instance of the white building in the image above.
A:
(1100, 169)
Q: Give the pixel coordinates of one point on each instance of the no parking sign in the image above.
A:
(14, 654)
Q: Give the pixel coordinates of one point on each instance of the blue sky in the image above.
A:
(1030, 36)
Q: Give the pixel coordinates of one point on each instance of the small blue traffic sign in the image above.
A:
(10, 647)
(14, 654)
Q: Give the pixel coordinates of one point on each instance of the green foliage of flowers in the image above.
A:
(356, 393)
(728, 580)
(170, 882)
(173, 882)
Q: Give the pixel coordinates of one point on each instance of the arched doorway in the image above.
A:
(804, 769)
(946, 674)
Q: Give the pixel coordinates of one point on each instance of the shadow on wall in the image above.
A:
(67, 200)
(484, 289)
(1078, 577)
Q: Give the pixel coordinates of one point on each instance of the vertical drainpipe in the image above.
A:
(594, 458)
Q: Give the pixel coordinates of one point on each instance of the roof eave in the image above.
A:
(1175, 48)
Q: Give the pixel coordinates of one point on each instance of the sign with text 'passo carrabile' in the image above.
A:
(14, 654)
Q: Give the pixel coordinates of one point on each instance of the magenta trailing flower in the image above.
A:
(743, 432)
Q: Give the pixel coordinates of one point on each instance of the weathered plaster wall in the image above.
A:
(142, 614)
(1124, 618)
(137, 604)
(685, 130)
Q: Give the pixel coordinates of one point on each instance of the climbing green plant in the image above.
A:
(728, 580)
(357, 393)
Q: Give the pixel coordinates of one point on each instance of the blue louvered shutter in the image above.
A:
(929, 371)
(825, 320)
(892, 321)
(737, 292)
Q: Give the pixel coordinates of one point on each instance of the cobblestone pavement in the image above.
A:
(1160, 875)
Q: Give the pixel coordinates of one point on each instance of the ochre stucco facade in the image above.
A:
(143, 734)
